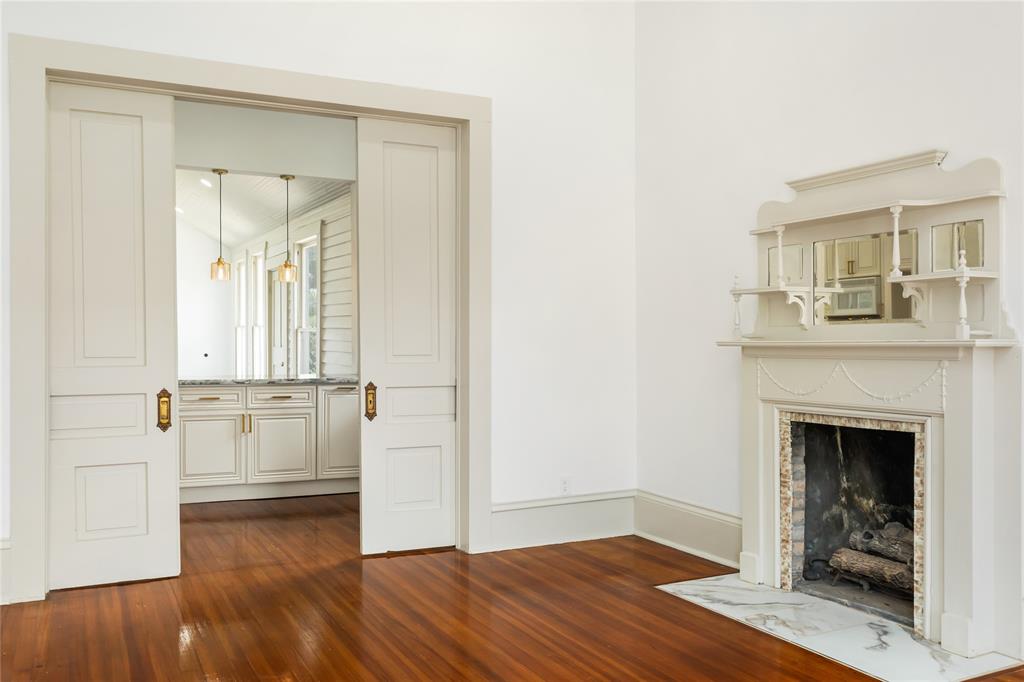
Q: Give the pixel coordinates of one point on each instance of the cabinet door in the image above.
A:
(212, 449)
(338, 427)
(282, 446)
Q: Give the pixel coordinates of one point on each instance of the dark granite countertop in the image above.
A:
(235, 381)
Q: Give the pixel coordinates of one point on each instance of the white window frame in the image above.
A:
(301, 324)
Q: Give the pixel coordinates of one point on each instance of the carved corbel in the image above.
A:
(800, 299)
(916, 294)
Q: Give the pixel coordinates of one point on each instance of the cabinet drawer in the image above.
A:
(210, 397)
(282, 396)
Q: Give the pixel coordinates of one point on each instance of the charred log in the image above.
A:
(892, 545)
(876, 569)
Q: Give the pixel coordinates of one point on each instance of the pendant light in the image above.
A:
(287, 272)
(220, 269)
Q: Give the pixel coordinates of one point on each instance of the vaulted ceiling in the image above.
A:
(253, 204)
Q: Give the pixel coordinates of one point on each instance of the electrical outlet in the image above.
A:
(564, 485)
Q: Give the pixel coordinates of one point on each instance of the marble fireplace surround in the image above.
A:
(791, 489)
(967, 468)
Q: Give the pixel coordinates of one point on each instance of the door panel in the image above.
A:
(406, 223)
(282, 446)
(113, 482)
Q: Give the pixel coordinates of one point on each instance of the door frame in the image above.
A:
(32, 63)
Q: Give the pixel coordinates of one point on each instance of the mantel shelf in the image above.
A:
(947, 275)
(758, 291)
(805, 298)
(876, 208)
(896, 343)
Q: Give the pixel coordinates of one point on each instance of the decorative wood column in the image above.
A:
(780, 278)
(737, 326)
(963, 330)
(895, 211)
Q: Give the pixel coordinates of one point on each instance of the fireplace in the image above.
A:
(852, 512)
(853, 517)
(948, 378)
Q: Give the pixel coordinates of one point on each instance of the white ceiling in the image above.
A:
(253, 204)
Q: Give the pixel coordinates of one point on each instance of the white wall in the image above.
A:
(206, 313)
(246, 140)
(734, 99)
(562, 81)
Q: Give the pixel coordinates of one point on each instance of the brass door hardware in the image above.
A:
(163, 409)
(209, 397)
(371, 401)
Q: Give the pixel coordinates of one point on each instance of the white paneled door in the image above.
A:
(113, 480)
(406, 223)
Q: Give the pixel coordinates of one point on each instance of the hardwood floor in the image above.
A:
(276, 590)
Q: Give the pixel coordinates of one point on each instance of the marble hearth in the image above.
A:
(876, 646)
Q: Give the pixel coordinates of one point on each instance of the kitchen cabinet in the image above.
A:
(237, 434)
(283, 445)
(338, 427)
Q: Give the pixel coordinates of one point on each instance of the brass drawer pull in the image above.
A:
(281, 397)
(209, 397)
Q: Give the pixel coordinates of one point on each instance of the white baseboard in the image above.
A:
(695, 530)
(262, 491)
(6, 588)
(561, 519)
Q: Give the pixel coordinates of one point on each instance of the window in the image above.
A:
(258, 315)
(309, 307)
(241, 319)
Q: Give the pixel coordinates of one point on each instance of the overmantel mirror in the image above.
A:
(854, 273)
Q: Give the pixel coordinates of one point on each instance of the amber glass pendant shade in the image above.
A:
(288, 273)
(220, 270)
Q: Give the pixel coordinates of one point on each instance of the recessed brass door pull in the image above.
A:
(163, 409)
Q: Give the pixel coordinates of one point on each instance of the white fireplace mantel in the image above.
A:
(963, 394)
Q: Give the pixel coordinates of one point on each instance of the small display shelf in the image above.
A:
(882, 221)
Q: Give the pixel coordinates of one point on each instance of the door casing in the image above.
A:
(32, 63)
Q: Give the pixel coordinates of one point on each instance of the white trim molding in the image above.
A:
(565, 499)
(689, 528)
(696, 530)
(932, 157)
(555, 520)
(33, 61)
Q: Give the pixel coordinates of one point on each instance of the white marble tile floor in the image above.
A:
(875, 646)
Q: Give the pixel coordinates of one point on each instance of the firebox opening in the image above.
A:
(857, 520)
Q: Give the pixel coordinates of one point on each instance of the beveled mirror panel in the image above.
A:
(854, 274)
(950, 239)
(792, 263)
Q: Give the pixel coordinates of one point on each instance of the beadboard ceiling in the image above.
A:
(253, 204)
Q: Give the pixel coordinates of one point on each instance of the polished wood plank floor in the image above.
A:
(276, 590)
